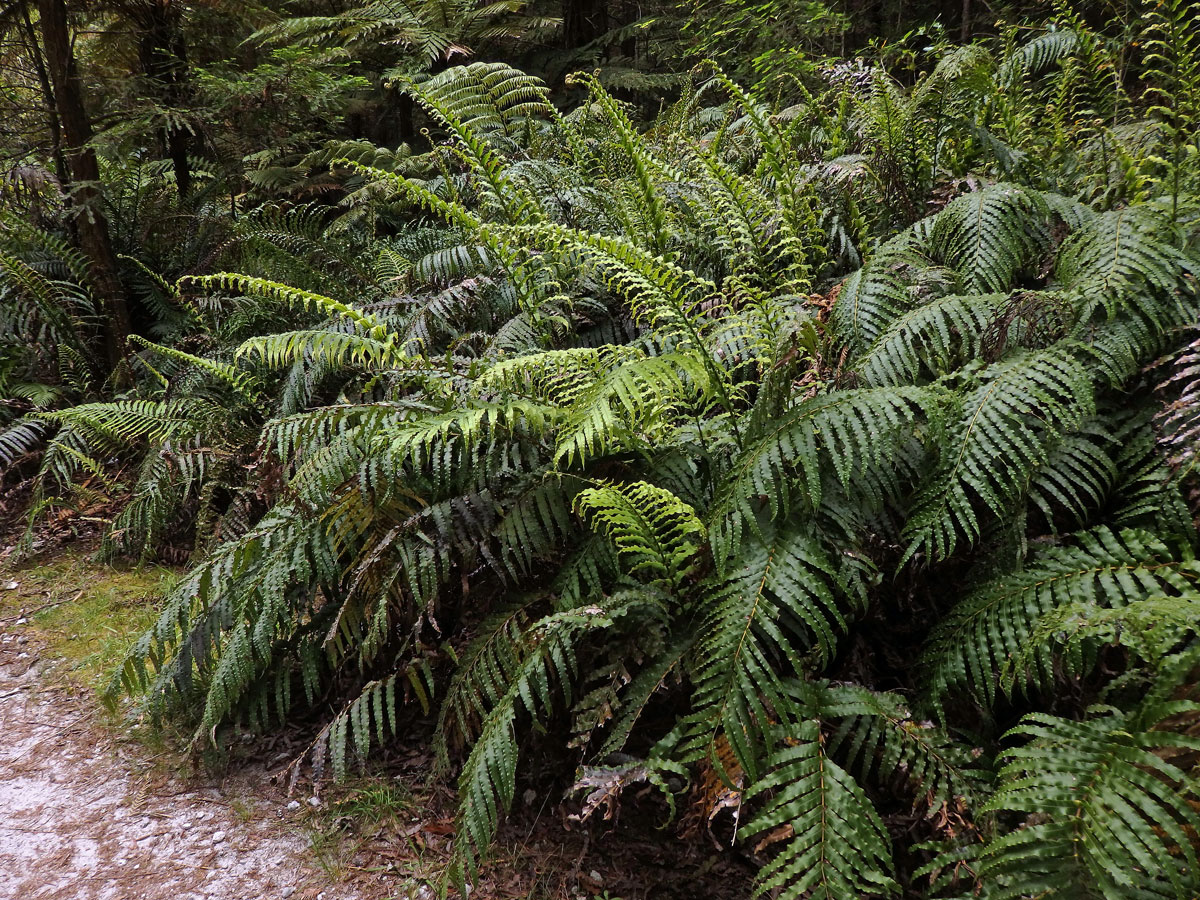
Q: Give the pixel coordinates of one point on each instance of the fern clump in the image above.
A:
(817, 453)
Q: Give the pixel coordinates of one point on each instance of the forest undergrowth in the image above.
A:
(798, 453)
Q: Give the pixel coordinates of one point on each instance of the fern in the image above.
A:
(780, 596)
(1006, 429)
(843, 433)
(935, 338)
(1108, 816)
(569, 426)
(655, 533)
(997, 621)
(989, 236)
(488, 779)
(837, 845)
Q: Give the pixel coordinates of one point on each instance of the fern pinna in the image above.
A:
(619, 444)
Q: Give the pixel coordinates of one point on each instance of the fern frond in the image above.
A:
(1005, 432)
(935, 338)
(878, 736)
(996, 621)
(1108, 812)
(241, 382)
(780, 598)
(834, 844)
(488, 779)
(655, 533)
(991, 235)
(1150, 627)
(843, 433)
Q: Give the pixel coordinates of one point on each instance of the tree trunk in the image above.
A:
(90, 223)
(583, 22)
(56, 149)
(162, 54)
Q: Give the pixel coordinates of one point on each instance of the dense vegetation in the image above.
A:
(809, 437)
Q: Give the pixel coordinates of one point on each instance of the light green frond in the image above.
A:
(242, 382)
(655, 533)
(305, 300)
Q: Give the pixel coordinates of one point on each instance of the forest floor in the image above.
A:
(92, 809)
(88, 812)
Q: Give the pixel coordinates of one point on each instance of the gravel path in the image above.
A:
(79, 822)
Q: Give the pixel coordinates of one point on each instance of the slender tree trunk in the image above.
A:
(39, 65)
(583, 21)
(162, 53)
(90, 223)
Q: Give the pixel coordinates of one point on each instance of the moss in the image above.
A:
(84, 612)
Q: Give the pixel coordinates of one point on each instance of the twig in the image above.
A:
(45, 606)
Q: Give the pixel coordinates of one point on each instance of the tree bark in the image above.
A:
(90, 223)
(162, 54)
(583, 22)
(35, 53)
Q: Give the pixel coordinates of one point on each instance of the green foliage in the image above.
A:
(655, 533)
(986, 634)
(1004, 431)
(838, 845)
(1109, 815)
(741, 447)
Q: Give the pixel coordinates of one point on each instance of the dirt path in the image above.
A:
(83, 819)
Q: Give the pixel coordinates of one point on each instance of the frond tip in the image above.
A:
(834, 845)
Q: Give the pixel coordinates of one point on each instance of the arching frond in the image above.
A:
(996, 622)
(1005, 431)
